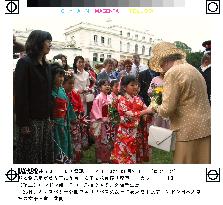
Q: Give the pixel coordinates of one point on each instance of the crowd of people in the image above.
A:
(62, 110)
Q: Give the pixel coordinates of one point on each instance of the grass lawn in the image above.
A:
(158, 156)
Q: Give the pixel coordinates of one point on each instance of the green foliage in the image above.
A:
(183, 46)
(195, 59)
(161, 157)
(158, 156)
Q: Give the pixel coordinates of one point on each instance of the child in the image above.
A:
(101, 127)
(130, 108)
(113, 102)
(75, 100)
(114, 84)
(61, 116)
(114, 117)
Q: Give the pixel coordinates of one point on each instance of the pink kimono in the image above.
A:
(101, 128)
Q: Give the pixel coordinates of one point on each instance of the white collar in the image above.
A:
(136, 65)
(80, 71)
(205, 68)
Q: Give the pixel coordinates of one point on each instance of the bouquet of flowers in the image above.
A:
(113, 113)
(157, 92)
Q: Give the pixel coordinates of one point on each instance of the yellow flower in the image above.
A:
(158, 90)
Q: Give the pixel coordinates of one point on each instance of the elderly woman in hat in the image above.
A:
(185, 103)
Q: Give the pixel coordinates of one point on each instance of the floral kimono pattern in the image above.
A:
(102, 129)
(76, 126)
(62, 115)
(127, 146)
(144, 153)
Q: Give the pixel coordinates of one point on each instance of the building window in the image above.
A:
(143, 50)
(150, 49)
(143, 38)
(120, 46)
(102, 57)
(102, 39)
(109, 56)
(95, 38)
(120, 33)
(95, 57)
(136, 36)
(136, 48)
(128, 47)
(109, 41)
(128, 34)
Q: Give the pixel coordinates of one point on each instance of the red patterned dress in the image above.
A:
(127, 147)
(77, 128)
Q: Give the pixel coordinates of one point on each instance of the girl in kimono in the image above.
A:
(101, 128)
(76, 126)
(113, 102)
(61, 116)
(113, 105)
(130, 108)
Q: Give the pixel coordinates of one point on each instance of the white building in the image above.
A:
(57, 47)
(98, 42)
(112, 41)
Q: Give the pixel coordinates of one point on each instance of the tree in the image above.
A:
(183, 46)
(193, 58)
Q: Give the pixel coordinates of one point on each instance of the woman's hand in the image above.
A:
(105, 119)
(149, 110)
(153, 105)
(129, 113)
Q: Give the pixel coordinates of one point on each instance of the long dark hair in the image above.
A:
(125, 81)
(75, 62)
(55, 69)
(68, 76)
(113, 82)
(102, 82)
(35, 41)
(60, 56)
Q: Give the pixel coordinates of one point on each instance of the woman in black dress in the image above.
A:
(33, 101)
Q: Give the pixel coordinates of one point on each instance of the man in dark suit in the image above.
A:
(145, 78)
(206, 72)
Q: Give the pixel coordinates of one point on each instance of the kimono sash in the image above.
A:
(105, 111)
(60, 108)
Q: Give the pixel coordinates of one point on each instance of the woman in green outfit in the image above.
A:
(62, 115)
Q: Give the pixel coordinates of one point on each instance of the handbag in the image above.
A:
(161, 138)
(89, 97)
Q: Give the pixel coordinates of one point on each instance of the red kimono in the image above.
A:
(128, 149)
(78, 129)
